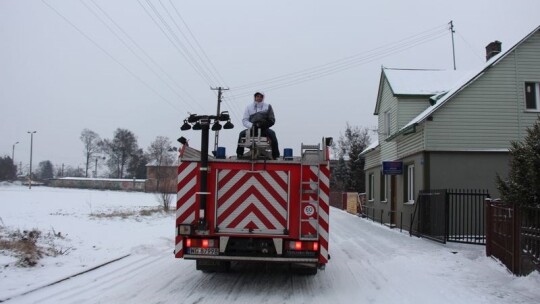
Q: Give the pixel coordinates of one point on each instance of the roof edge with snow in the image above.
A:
(463, 84)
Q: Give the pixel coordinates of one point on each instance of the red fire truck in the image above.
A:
(253, 209)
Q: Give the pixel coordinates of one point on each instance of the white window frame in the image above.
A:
(410, 184)
(536, 96)
(387, 123)
(371, 193)
(385, 188)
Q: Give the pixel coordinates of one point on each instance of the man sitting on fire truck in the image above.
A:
(259, 116)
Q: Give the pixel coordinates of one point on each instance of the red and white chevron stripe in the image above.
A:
(252, 201)
(324, 212)
(186, 208)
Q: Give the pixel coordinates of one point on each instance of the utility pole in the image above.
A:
(31, 146)
(453, 48)
(216, 137)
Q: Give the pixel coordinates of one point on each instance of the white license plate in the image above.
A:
(203, 251)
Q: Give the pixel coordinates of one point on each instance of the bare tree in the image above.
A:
(120, 150)
(160, 154)
(92, 145)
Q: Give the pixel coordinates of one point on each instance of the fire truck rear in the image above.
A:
(231, 209)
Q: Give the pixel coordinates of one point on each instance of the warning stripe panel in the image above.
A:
(186, 199)
(252, 201)
(324, 211)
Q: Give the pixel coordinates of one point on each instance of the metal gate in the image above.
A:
(451, 215)
(431, 214)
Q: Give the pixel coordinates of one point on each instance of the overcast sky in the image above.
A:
(102, 65)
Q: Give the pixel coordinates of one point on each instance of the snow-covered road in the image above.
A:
(369, 264)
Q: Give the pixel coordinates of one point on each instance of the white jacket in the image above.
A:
(259, 112)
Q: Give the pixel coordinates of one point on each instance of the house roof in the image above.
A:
(421, 82)
(417, 82)
(462, 84)
(371, 147)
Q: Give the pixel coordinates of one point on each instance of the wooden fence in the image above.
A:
(513, 236)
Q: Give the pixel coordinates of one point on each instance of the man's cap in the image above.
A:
(258, 94)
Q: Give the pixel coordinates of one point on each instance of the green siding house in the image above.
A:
(451, 129)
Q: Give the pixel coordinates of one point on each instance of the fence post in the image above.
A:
(489, 223)
(516, 261)
(446, 215)
(401, 222)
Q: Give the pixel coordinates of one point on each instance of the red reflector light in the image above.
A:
(202, 243)
(304, 246)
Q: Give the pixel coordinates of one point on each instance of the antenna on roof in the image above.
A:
(453, 49)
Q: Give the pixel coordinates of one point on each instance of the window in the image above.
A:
(410, 184)
(387, 123)
(384, 187)
(371, 192)
(532, 95)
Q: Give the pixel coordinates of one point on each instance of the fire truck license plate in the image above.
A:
(203, 251)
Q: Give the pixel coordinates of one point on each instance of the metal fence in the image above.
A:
(451, 215)
(382, 216)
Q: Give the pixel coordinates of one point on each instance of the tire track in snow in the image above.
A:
(370, 264)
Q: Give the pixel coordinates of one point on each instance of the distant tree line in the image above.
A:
(123, 156)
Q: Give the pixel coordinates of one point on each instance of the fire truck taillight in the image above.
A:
(202, 243)
(303, 246)
(202, 246)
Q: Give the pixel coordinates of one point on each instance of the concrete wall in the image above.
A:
(167, 179)
(101, 184)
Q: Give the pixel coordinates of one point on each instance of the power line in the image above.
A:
(110, 56)
(207, 69)
(196, 41)
(470, 47)
(347, 60)
(197, 69)
(131, 49)
(343, 64)
(207, 64)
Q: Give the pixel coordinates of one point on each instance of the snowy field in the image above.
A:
(369, 262)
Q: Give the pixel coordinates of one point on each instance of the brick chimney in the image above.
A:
(493, 49)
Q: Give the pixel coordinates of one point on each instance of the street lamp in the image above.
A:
(203, 122)
(13, 153)
(31, 146)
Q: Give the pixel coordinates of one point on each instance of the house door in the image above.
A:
(393, 200)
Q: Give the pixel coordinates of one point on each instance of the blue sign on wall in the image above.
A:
(392, 167)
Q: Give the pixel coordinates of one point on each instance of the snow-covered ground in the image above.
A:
(370, 263)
